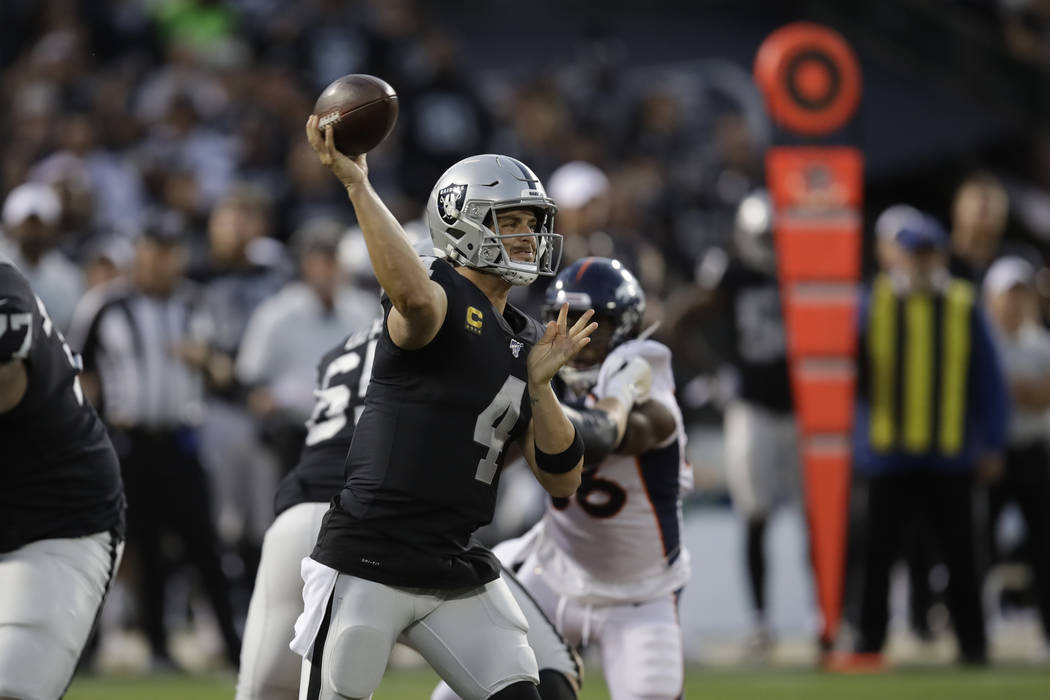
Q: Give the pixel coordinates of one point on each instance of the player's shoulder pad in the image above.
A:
(440, 270)
(655, 353)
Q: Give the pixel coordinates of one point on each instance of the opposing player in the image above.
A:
(269, 669)
(607, 564)
(457, 374)
(61, 501)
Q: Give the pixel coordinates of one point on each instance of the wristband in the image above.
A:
(564, 461)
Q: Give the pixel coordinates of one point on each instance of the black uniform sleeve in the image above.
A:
(442, 272)
(596, 429)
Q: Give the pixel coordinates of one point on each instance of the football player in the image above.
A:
(269, 669)
(608, 563)
(458, 374)
(762, 467)
(61, 501)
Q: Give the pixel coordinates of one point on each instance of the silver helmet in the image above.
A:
(462, 210)
(753, 232)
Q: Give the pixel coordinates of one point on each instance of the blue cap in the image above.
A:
(922, 233)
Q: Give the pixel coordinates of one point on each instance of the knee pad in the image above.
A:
(654, 653)
(357, 661)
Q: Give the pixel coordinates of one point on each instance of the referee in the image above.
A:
(133, 334)
(931, 413)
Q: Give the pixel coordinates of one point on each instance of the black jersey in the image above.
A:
(59, 476)
(759, 341)
(424, 465)
(342, 383)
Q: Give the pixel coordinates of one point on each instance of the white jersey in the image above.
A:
(619, 538)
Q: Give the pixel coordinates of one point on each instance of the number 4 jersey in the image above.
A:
(619, 538)
(427, 451)
(59, 476)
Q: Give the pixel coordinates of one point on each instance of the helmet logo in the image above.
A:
(450, 202)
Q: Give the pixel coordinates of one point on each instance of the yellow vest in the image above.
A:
(913, 364)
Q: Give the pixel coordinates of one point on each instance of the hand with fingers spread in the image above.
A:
(559, 345)
(351, 170)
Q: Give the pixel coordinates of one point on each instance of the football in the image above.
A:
(361, 109)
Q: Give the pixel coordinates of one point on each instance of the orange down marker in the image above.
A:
(811, 81)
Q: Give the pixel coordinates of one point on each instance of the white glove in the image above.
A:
(631, 383)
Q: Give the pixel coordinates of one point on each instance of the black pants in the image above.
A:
(940, 503)
(167, 491)
(1026, 481)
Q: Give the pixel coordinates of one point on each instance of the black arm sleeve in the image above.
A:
(597, 431)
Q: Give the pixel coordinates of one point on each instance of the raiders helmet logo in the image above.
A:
(450, 202)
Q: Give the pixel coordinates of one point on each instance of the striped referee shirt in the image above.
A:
(131, 341)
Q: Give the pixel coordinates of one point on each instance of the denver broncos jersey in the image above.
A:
(427, 451)
(59, 476)
(342, 382)
(619, 538)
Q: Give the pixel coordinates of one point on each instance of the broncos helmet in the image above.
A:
(614, 293)
(462, 209)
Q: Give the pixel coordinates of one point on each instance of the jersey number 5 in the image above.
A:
(494, 425)
(332, 407)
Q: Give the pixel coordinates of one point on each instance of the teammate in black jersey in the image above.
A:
(762, 467)
(61, 501)
(269, 670)
(458, 372)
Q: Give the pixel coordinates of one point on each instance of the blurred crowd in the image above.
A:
(156, 148)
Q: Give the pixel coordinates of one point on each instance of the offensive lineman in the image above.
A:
(457, 374)
(607, 564)
(61, 501)
(269, 669)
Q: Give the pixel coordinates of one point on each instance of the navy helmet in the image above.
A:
(604, 285)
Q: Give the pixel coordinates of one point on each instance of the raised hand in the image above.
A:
(350, 170)
(558, 345)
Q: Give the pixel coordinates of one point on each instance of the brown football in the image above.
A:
(362, 110)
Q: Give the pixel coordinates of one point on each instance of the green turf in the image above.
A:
(949, 684)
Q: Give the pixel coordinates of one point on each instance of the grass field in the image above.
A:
(947, 684)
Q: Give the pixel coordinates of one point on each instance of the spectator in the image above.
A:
(979, 215)
(1025, 347)
(278, 356)
(931, 413)
(31, 215)
(245, 268)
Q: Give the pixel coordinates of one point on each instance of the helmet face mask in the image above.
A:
(462, 216)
